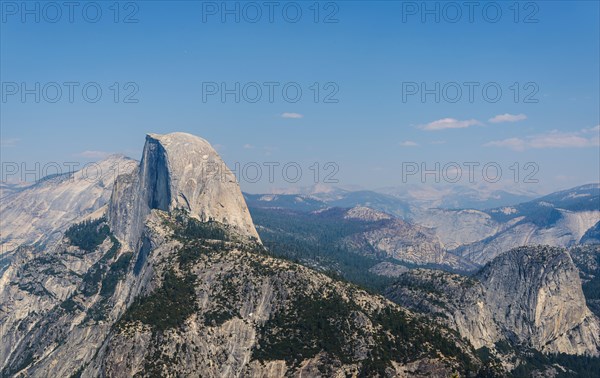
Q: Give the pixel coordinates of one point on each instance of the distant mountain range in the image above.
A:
(397, 199)
(559, 219)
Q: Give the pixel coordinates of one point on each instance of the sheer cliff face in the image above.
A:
(177, 171)
(529, 296)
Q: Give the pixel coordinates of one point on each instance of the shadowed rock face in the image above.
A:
(177, 171)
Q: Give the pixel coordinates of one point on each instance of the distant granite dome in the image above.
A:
(40, 212)
(178, 171)
(535, 291)
(529, 296)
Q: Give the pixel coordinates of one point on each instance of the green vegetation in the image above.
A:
(112, 252)
(533, 363)
(187, 228)
(109, 284)
(315, 240)
(70, 305)
(172, 303)
(217, 317)
(115, 274)
(91, 280)
(416, 338)
(190, 254)
(93, 277)
(575, 366)
(224, 299)
(310, 325)
(168, 307)
(102, 277)
(317, 323)
(89, 234)
(25, 361)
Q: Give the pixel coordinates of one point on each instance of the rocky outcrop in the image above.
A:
(45, 299)
(388, 269)
(390, 237)
(177, 171)
(529, 296)
(366, 214)
(457, 227)
(536, 293)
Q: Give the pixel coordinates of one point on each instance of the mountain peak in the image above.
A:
(178, 138)
(178, 171)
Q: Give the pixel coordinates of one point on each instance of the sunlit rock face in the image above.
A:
(528, 296)
(39, 213)
(177, 171)
(536, 293)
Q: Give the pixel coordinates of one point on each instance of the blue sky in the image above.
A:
(369, 58)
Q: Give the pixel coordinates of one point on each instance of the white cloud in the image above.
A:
(500, 118)
(9, 142)
(292, 115)
(248, 146)
(560, 140)
(438, 142)
(553, 139)
(93, 154)
(449, 123)
(408, 143)
(512, 143)
(595, 129)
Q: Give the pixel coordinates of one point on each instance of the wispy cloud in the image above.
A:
(516, 144)
(248, 146)
(408, 143)
(93, 154)
(449, 123)
(292, 115)
(553, 139)
(438, 142)
(500, 118)
(595, 129)
(9, 142)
